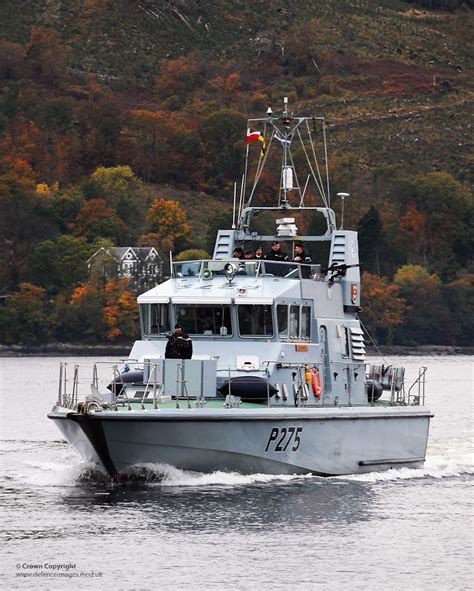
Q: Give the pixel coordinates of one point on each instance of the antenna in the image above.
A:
(233, 210)
(342, 196)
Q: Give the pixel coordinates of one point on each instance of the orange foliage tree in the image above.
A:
(382, 307)
(96, 220)
(167, 223)
(154, 156)
(120, 310)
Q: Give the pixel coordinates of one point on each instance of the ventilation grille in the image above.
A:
(338, 254)
(357, 344)
(224, 244)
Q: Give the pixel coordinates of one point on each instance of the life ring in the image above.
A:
(316, 382)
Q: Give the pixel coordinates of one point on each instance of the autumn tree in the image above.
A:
(154, 156)
(12, 61)
(124, 192)
(100, 123)
(181, 76)
(47, 56)
(167, 224)
(382, 307)
(96, 220)
(120, 311)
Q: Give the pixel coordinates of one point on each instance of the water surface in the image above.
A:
(402, 529)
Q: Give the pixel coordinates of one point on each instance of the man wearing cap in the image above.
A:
(300, 255)
(276, 253)
(258, 252)
(179, 345)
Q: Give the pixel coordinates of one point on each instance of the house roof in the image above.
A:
(120, 252)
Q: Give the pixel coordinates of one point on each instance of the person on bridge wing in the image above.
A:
(179, 345)
(300, 255)
(276, 254)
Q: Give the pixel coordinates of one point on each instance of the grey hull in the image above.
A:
(288, 441)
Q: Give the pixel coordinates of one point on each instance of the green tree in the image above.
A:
(81, 317)
(223, 135)
(447, 205)
(192, 254)
(25, 318)
(221, 220)
(426, 317)
(60, 264)
(371, 238)
(459, 299)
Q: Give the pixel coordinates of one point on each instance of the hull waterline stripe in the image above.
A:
(398, 461)
(204, 419)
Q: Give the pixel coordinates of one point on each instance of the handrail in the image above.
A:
(421, 383)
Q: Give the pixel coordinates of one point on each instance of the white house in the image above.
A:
(143, 266)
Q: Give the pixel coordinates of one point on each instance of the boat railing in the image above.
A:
(150, 389)
(392, 379)
(208, 269)
(418, 398)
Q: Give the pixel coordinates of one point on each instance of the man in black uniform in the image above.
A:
(179, 345)
(276, 253)
(300, 255)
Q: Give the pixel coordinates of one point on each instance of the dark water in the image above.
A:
(403, 529)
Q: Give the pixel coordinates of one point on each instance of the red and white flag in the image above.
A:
(253, 136)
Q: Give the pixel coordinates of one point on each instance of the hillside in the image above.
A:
(155, 94)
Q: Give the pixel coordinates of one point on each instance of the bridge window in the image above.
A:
(255, 320)
(294, 321)
(305, 322)
(204, 319)
(282, 319)
(155, 318)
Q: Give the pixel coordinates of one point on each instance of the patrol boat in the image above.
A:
(278, 382)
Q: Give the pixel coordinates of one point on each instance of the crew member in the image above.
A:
(238, 253)
(179, 345)
(248, 254)
(258, 252)
(276, 254)
(300, 255)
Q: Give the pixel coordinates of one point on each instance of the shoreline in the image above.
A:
(122, 350)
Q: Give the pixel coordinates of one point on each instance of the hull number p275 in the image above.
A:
(286, 438)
